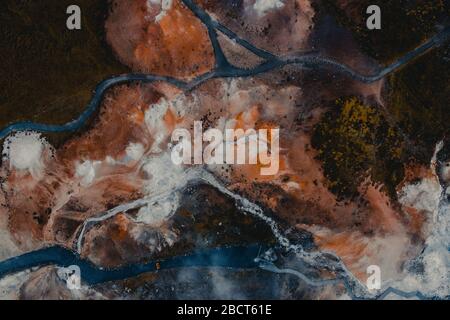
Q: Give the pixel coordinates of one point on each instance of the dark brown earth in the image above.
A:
(48, 71)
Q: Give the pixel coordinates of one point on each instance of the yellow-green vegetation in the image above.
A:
(405, 24)
(48, 71)
(354, 141)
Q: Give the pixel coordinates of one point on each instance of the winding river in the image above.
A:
(228, 257)
(237, 257)
(223, 69)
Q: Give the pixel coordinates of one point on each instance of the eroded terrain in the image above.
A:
(363, 173)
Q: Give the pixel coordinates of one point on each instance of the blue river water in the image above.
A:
(223, 69)
(238, 257)
(230, 257)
